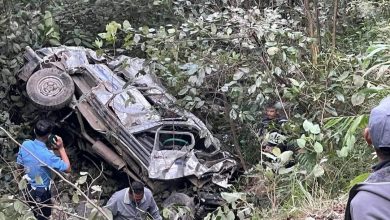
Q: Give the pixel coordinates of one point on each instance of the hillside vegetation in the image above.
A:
(323, 62)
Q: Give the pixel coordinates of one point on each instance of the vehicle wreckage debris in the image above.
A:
(131, 122)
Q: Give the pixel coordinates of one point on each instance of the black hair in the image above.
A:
(137, 187)
(270, 105)
(43, 128)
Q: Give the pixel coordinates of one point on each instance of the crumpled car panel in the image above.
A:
(173, 164)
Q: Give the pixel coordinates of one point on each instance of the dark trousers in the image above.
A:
(39, 200)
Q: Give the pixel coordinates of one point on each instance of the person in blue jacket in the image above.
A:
(37, 172)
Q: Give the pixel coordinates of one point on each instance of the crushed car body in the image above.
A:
(120, 99)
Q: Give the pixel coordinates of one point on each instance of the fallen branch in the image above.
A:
(60, 175)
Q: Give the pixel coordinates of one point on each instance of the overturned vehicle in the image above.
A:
(126, 117)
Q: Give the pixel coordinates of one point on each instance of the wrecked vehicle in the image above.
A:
(125, 116)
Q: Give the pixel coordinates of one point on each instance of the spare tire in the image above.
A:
(50, 89)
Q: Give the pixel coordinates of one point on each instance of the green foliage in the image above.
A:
(361, 178)
(348, 127)
(19, 27)
(211, 66)
(111, 32)
(49, 30)
(11, 208)
(225, 65)
(236, 207)
(177, 213)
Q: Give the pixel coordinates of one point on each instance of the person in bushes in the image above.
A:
(371, 199)
(270, 119)
(271, 124)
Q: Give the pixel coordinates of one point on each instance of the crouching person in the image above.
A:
(135, 202)
(38, 174)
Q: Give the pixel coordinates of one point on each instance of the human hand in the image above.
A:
(57, 142)
(268, 149)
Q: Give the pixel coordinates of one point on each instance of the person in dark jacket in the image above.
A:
(270, 119)
(271, 124)
(371, 199)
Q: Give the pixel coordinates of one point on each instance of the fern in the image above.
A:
(307, 160)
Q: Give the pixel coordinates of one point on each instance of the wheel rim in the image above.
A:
(50, 86)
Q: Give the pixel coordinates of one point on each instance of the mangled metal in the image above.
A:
(173, 164)
(155, 138)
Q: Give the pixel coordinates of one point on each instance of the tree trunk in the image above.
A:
(227, 109)
(310, 29)
(318, 24)
(335, 9)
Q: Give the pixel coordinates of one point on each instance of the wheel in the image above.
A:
(50, 89)
(177, 201)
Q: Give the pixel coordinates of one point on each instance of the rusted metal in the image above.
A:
(101, 149)
(120, 130)
(82, 127)
(108, 155)
(83, 83)
(58, 65)
(88, 113)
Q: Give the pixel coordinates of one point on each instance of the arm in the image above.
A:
(153, 210)
(112, 206)
(59, 163)
(62, 152)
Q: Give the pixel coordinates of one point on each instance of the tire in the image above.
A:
(179, 199)
(50, 89)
